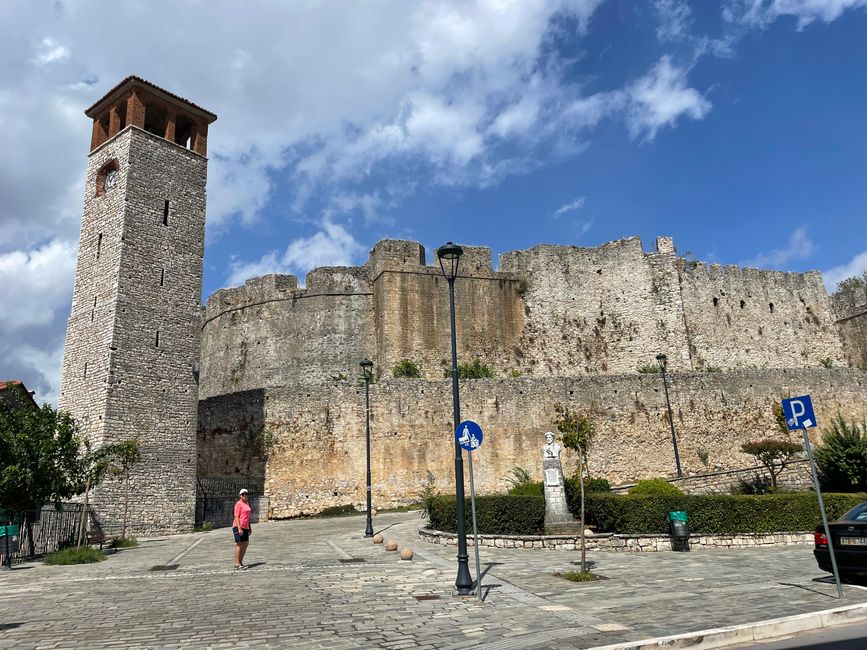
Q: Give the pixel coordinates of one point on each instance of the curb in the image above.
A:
(723, 636)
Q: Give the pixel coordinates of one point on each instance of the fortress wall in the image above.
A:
(603, 310)
(759, 319)
(319, 459)
(850, 310)
(268, 333)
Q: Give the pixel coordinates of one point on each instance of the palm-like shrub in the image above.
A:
(842, 456)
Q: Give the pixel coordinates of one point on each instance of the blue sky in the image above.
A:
(738, 128)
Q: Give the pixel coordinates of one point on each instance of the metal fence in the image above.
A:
(216, 497)
(55, 529)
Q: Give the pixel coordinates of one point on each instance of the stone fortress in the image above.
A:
(274, 366)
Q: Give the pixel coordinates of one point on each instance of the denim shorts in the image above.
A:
(242, 536)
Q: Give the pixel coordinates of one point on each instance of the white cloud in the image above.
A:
(333, 245)
(673, 18)
(50, 52)
(798, 247)
(761, 13)
(577, 204)
(35, 295)
(854, 267)
(660, 97)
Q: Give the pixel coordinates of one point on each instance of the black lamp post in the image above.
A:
(662, 363)
(449, 256)
(366, 367)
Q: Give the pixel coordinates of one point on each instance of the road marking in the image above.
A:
(177, 558)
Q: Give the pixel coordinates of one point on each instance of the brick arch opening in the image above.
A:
(184, 128)
(155, 119)
(111, 166)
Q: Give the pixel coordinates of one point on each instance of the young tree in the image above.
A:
(39, 460)
(773, 454)
(93, 465)
(126, 455)
(576, 432)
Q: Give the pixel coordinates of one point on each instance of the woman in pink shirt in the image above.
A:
(241, 528)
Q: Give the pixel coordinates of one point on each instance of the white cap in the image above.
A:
(243, 491)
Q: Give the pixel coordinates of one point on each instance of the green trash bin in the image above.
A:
(678, 523)
(9, 538)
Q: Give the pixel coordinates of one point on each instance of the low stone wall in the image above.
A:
(622, 543)
(794, 478)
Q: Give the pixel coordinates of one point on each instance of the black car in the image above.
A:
(849, 537)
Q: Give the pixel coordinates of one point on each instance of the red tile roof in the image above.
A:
(133, 79)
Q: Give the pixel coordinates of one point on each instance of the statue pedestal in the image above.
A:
(558, 519)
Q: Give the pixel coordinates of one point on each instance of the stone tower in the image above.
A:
(132, 343)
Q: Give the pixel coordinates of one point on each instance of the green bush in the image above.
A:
(474, 369)
(338, 511)
(842, 456)
(718, 514)
(73, 555)
(206, 526)
(532, 488)
(655, 487)
(597, 485)
(406, 368)
(497, 514)
(649, 369)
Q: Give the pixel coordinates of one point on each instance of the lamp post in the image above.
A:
(449, 256)
(662, 363)
(366, 367)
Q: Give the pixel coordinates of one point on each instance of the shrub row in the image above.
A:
(719, 514)
(496, 514)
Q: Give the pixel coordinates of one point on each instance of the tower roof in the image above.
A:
(115, 93)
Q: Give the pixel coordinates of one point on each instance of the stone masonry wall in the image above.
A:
(318, 458)
(850, 310)
(551, 311)
(144, 344)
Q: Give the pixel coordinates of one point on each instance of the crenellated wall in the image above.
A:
(550, 311)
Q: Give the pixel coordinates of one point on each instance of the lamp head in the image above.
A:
(449, 255)
(661, 358)
(366, 364)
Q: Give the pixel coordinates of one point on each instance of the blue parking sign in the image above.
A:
(799, 412)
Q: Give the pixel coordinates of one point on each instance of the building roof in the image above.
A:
(134, 80)
(9, 386)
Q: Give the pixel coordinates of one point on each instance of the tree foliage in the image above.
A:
(773, 454)
(576, 429)
(855, 284)
(474, 369)
(842, 456)
(39, 457)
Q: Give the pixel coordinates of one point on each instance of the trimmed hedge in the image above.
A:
(496, 514)
(719, 514)
(535, 489)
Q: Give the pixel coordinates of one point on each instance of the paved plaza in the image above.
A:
(318, 583)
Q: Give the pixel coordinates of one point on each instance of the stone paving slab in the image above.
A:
(298, 593)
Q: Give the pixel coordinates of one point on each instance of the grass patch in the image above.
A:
(408, 508)
(124, 542)
(72, 555)
(338, 511)
(204, 528)
(578, 576)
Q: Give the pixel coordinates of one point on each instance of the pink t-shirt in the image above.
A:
(242, 513)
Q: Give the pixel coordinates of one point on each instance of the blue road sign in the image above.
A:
(799, 412)
(469, 435)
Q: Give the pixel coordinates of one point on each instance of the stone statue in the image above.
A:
(550, 449)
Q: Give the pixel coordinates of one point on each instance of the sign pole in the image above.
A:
(475, 528)
(822, 510)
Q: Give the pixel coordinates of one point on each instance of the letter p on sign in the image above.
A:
(799, 412)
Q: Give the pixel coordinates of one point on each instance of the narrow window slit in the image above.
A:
(158, 339)
(85, 369)
(98, 245)
(166, 213)
(162, 276)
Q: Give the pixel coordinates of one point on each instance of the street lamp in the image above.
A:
(449, 256)
(366, 367)
(662, 363)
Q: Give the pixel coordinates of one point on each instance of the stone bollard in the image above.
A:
(378, 538)
(406, 554)
(391, 545)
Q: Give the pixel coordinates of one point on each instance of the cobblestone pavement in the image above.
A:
(320, 584)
